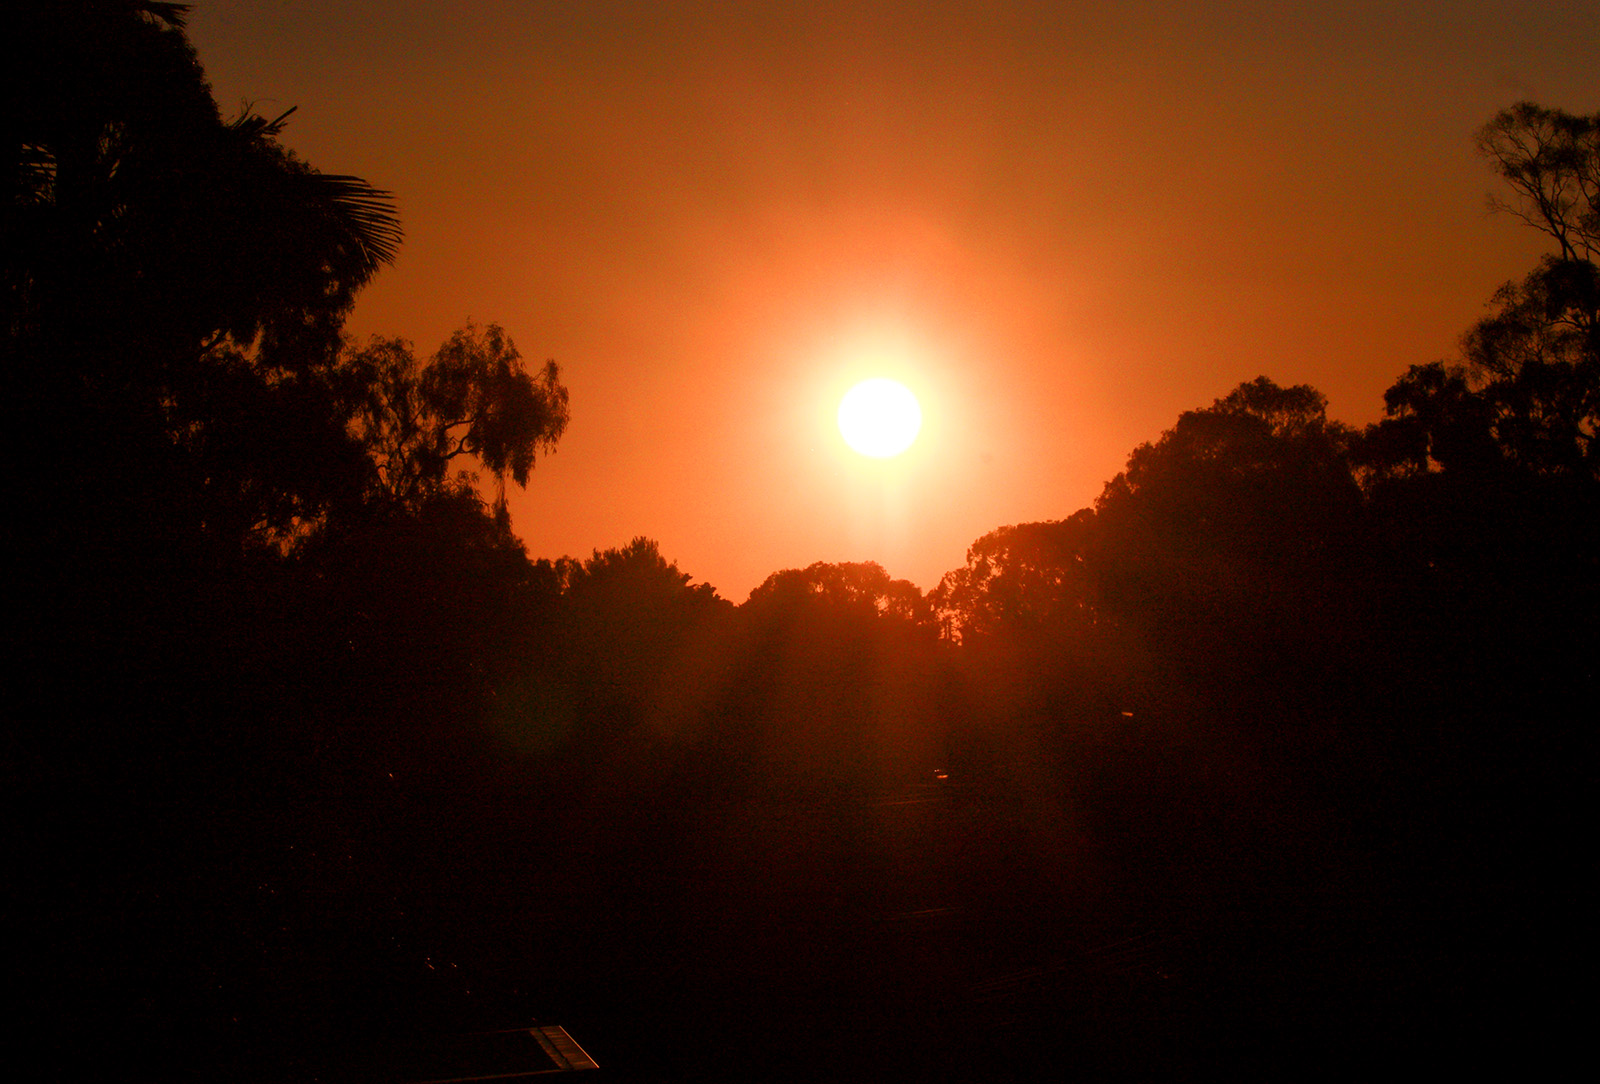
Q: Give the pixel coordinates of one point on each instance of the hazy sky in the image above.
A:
(1060, 224)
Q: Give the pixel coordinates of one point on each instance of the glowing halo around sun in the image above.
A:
(879, 418)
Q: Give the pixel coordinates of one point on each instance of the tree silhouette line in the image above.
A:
(292, 691)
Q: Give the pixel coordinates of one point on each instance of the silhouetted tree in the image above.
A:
(1525, 397)
(637, 574)
(1433, 421)
(1020, 578)
(839, 676)
(1232, 547)
(458, 624)
(1481, 476)
(1536, 357)
(859, 588)
(1239, 501)
(627, 639)
(175, 287)
(1551, 160)
(474, 398)
(1231, 553)
(137, 219)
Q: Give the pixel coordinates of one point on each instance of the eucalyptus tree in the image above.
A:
(1020, 579)
(1534, 360)
(474, 401)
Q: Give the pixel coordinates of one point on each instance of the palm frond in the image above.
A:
(174, 15)
(367, 212)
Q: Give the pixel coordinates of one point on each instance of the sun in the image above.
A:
(879, 418)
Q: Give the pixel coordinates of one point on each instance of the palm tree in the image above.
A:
(173, 282)
(133, 210)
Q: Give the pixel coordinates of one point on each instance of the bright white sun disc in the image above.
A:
(879, 418)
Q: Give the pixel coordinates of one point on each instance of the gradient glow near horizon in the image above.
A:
(1073, 222)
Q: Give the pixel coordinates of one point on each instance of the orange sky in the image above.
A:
(1060, 225)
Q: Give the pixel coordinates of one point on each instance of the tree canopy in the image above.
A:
(176, 286)
(140, 224)
(474, 398)
(1525, 395)
(856, 588)
(1028, 576)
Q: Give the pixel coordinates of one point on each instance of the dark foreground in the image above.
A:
(996, 927)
